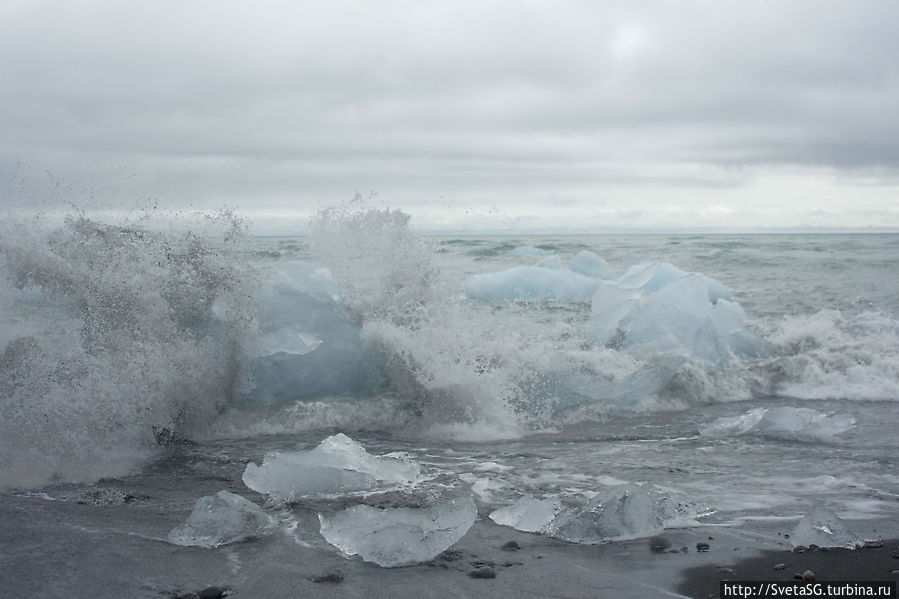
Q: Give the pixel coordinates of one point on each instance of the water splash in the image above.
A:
(113, 343)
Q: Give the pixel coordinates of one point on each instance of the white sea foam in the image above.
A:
(115, 343)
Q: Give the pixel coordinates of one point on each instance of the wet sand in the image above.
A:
(874, 562)
(65, 549)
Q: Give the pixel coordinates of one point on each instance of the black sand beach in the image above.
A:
(873, 562)
(75, 549)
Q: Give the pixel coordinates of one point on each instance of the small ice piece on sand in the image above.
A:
(221, 519)
(393, 537)
(803, 424)
(337, 465)
(625, 512)
(528, 514)
(824, 528)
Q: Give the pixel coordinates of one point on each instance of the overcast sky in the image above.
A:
(561, 115)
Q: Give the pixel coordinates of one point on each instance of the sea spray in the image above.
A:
(432, 354)
(118, 337)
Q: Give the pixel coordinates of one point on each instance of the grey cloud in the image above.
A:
(213, 100)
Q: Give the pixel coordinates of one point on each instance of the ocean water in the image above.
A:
(142, 369)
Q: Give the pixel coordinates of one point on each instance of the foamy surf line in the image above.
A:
(122, 339)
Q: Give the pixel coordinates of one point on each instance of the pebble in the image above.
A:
(808, 575)
(510, 546)
(483, 572)
(702, 547)
(331, 577)
(780, 567)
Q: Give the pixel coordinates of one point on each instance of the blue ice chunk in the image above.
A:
(221, 519)
(589, 264)
(306, 346)
(652, 276)
(533, 283)
(393, 537)
(662, 309)
(338, 465)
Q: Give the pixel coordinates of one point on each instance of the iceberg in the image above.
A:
(659, 308)
(787, 423)
(590, 264)
(528, 514)
(221, 519)
(395, 537)
(824, 528)
(338, 465)
(531, 283)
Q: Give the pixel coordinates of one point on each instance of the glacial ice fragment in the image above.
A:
(306, 345)
(533, 283)
(625, 512)
(824, 528)
(528, 514)
(589, 264)
(395, 537)
(220, 519)
(652, 276)
(784, 422)
(663, 309)
(338, 465)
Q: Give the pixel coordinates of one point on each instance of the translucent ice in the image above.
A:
(792, 424)
(306, 346)
(528, 514)
(533, 283)
(625, 512)
(661, 309)
(337, 465)
(589, 264)
(399, 536)
(652, 276)
(553, 261)
(824, 529)
(220, 519)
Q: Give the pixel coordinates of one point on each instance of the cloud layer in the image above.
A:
(468, 114)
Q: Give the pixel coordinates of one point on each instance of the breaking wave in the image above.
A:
(120, 339)
(116, 338)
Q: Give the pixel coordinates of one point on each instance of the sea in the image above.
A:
(752, 377)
